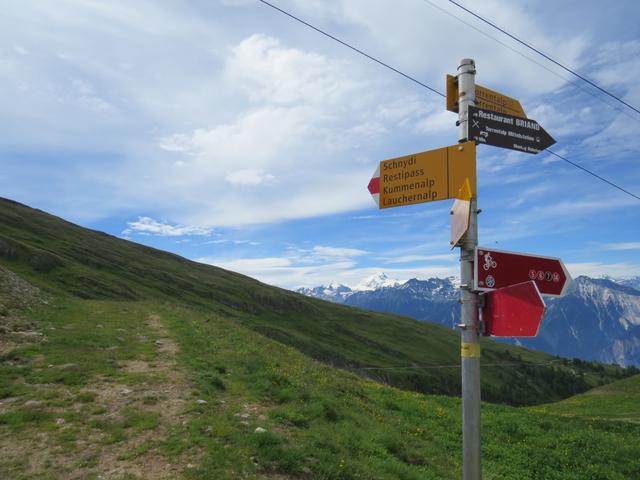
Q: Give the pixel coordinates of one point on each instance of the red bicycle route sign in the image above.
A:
(513, 311)
(496, 269)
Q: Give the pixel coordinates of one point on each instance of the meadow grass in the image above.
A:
(329, 424)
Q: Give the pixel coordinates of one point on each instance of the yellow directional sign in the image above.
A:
(426, 177)
(486, 99)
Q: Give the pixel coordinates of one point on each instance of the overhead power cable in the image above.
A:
(361, 52)
(530, 47)
(434, 367)
(431, 89)
(574, 83)
(353, 48)
(594, 174)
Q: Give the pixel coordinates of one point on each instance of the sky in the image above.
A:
(230, 134)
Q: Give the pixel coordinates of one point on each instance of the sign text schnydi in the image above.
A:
(424, 177)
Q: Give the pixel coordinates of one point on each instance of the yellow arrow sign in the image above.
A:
(486, 99)
(428, 176)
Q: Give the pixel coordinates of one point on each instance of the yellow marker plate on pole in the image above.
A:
(470, 350)
(426, 177)
(486, 99)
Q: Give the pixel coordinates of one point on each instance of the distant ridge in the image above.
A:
(598, 319)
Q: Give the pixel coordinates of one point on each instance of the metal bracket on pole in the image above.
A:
(467, 95)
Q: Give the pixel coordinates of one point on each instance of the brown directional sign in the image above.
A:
(507, 131)
(424, 177)
(485, 98)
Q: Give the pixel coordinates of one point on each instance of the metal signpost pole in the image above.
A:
(450, 172)
(470, 345)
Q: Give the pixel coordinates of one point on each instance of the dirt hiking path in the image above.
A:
(106, 429)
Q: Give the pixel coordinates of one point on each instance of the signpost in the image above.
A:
(424, 177)
(514, 311)
(507, 131)
(514, 281)
(496, 269)
(485, 98)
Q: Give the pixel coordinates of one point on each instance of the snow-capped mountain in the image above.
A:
(598, 319)
(434, 299)
(337, 292)
(376, 281)
(630, 282)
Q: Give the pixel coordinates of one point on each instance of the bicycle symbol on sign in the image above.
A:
(489, 262)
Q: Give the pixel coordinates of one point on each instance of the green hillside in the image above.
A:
(120, 361)
(65, 258)
(150, 390)
(617, 401)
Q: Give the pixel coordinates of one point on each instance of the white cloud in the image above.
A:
(269, 72)
(248, 176)
(254, 139)
(219, 241)
(392, 33)
(287, 273)
(323, 264)
(617, 140)
(623, 246)
(441, 121)
(567, 118)
(548, 158)
(20, 50)
(420, 258)
(322, 251)
(149, 226)
(596, 269)
(244, 265)
(201, 118)
(238, 3)
(615, 64)
(529, 195)
(296, 148)
(550, 210)
(246, 242)
(577, 208)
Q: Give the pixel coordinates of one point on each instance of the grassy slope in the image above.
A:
(321, 423)
(618, 401)
(336, 426)
(63, 257)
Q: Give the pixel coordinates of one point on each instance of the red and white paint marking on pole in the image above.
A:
(374, 186)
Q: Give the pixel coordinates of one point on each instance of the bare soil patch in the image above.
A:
(108, 429)
(17, 296)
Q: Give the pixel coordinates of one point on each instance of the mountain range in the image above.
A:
(598, 319)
